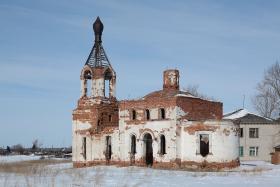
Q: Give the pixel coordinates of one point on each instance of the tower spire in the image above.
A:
(97, 56)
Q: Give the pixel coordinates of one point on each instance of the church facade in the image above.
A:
(168, 128)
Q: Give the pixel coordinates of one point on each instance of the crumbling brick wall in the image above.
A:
(199, 109)
(98, 115)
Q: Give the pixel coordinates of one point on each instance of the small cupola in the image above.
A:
(171, 79)
(98, 29)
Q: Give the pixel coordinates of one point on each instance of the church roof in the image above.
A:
(247, 117)
(171, 93)
(167, 94)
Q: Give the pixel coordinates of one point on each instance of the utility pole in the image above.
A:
(243, 101)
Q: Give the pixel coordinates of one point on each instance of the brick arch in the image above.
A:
(109, 74)
(145, 131)
(85, 69)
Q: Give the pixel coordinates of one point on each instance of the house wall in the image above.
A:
(269, 136)
(223, 141)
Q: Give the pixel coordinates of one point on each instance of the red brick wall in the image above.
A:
(198, 109)
(147, 104)
(88, 112)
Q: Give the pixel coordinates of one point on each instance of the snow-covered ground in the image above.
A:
(17, 158)
(62, 174)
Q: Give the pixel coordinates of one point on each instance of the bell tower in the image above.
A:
(98, 78)
(97, 107)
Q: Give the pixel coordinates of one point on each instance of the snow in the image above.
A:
(17, 158)
(255, 173)
(192, 96)
(241, 113)
(236, 115)
(185, 95)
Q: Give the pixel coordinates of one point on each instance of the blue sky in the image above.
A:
(222, 46)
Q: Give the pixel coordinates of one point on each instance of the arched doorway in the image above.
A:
(148, 147)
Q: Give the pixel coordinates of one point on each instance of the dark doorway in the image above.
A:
(133, 149)
(108, 148)
(204, 144)
(149, 149)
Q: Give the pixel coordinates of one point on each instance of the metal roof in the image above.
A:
(245, 117)
(98, 57)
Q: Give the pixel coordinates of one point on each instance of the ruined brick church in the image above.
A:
(168, 128)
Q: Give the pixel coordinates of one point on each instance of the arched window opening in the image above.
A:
(204, 144)
(87, 83)
(162, 113)
(133, 115)
(162, 145)
(107, 88)
(88, 87)
(108, 152)
(108, 76)
(84, 148)
(133, 145)
(147, 114)
(110, 118)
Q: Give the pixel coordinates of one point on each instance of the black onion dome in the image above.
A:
(98, 26)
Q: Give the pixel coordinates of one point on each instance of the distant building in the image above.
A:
(168, 128)
(258, 135)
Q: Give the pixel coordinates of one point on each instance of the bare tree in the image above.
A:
(267, 99)
(18, 148)
(36, 145)
(194, 90)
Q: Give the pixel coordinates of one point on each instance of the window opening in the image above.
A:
(162, 145)
(253, 132)
(204, 144)
(162, 113)
(241, 133)
(147, 114)
(133, 145)
(107, 88)
(87, 83)
(253, 151)
(85, 148)
(241, 153)
(133, 115)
